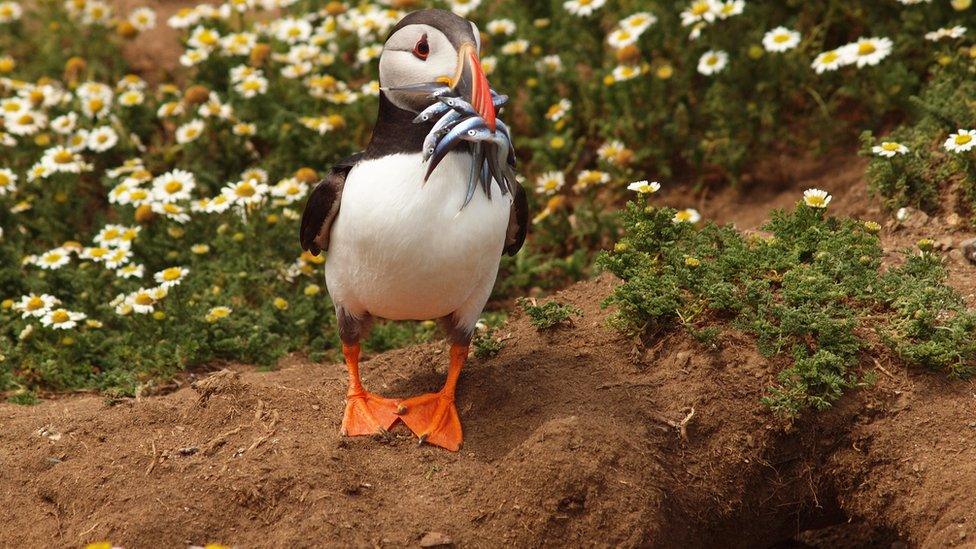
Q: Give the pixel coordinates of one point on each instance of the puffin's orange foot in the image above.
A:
(434, 419)
(368, 414)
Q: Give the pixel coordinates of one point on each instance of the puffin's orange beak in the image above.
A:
(471, 82)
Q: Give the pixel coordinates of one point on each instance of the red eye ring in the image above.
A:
(422, 49)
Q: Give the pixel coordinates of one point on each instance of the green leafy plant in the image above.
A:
(808, 288)
(550, 314)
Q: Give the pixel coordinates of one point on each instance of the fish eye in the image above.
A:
(422, 49)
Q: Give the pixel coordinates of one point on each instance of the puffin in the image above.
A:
(409, 233)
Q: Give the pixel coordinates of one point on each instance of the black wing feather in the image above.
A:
(323, 206)
(518, 220)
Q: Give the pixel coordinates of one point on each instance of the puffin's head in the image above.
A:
(434, 46)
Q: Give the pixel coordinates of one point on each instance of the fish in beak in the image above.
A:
(472, 85)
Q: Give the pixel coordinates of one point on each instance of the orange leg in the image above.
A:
(366, 413)
(433, 417)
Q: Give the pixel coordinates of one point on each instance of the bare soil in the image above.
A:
(573, 437)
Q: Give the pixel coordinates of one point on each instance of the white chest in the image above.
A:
(404, 249)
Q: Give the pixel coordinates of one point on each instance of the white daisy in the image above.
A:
(8, 181)
(189, 132)
(816, 198)
(889, 149)
(583, 8)
(961, 141)
(687, 215)
(946, 33)
(53, 259)
(246, 192)
(622, 37)
(550, 183)
(289, 190)
(171, 211)
(700, 11)
(501, 26)
(62, 319)
(644, 187)
(34, 305)
(463, 7)
(132, 270)
(829, 61)
(65, 124)
(869, 51)
(141, 301)
(781, 39)
(102, 139)
(173, 186)
(712, 62)
(638, 22)
(171, 277)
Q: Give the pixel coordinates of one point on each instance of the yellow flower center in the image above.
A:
(866, 48)
(34, 303)
(26, 119)
(171, 274)
(97, 252)
(11, 106)
(63, 157)
(245, 190)
(780, 38)
(889, 146)
(143, 299)
(60, 316)
(830, 57)
(700, 8)
(95, 105)
(4, 180)
(963, 139)
(173, 187)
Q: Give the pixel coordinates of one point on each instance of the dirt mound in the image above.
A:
(571, 437)
(575, 437)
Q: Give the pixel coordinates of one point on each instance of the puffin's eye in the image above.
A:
(422, 49)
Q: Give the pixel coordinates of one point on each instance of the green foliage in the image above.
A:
(809, 289)
(550, 314)
(925, 176)
(486, 345)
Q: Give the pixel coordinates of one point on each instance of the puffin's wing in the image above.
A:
(518, 220)
(323, 206)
